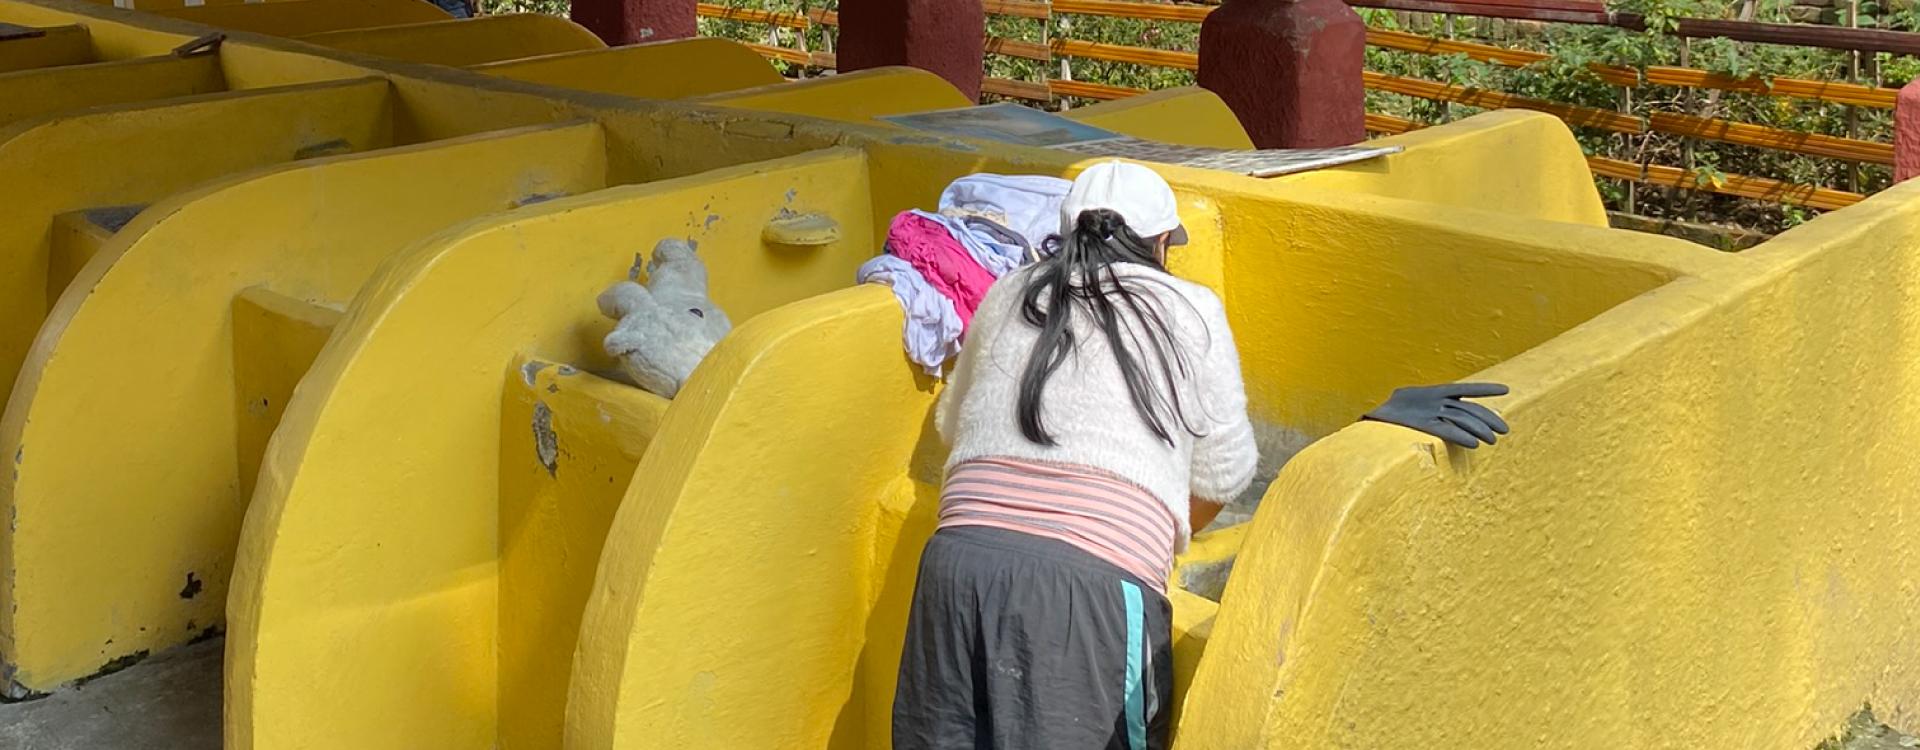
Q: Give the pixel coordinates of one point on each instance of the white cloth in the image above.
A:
(1027, 204)
(1086, 406)
(932, 331)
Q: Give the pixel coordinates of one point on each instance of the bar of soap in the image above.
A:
(802, 230)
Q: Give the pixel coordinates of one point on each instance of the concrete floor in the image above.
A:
(168, 702)
(172, 702)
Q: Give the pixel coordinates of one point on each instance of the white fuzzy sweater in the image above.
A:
(1086, 406)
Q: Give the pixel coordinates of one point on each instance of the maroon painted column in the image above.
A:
(633, 21)
(1906, 132)
(1290, 69)
(946, 37)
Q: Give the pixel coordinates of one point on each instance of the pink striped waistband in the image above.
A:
(1100, 514)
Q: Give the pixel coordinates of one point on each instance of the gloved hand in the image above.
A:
(1439, 411)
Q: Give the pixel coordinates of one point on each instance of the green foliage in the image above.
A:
(550, 7)
(1567, 78)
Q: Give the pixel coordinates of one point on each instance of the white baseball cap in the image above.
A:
(1138, 194)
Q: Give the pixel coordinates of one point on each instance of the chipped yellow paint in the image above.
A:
(420, 575)
(155, 302)
(32, 93)
(154, 150)
(568, 445)
(303, 17)
(464, 42)
(855, 97)
(659, 70)
(60, 45)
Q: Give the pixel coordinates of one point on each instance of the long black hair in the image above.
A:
(1078, 278)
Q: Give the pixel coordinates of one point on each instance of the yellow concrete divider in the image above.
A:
(658, 70)
(817, 670)
(466, 42)
(207, 395)
(303, 17)
(241, 66)
(398, 601)
(110, 36)
(1556, 186)
(842, 525)
(60, 45)
(152, 5)
(851, 97)
(1672, 550)
(138, 154)
(32, 93)
(1188, 115)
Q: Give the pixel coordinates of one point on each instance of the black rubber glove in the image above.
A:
(1439, 411)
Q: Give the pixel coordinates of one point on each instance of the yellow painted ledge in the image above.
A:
(465, 42)
(154, 306)
(658, 70)
(46, 91)
(851, 97)
(59, 45)
(296, 18)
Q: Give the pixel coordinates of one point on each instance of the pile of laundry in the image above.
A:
(940, 264)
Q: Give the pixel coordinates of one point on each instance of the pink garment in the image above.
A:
(947, 266)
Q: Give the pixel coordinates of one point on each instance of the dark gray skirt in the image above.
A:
(1017, 642)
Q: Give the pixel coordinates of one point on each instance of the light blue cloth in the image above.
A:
(987, 250)
(1027, 204)
(932, 331)
(1134, 688)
